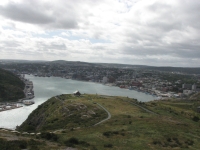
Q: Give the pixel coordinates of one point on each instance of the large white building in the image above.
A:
(194, 87)
(105, 80)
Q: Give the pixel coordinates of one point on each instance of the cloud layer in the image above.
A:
(147, 32)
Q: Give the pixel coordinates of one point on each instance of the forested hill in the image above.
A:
(11, 87)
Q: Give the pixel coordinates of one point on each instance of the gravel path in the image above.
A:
(109, 115)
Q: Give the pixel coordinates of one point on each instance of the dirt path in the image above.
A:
(109, 115)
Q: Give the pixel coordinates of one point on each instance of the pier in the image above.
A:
(9, 106)
(28, 90)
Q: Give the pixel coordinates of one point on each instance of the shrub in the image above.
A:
(23, 145)
(34, 147)
(109, 133)
(195, 118)
(123, 134)
(169, 139)
(108, 145)
(189, 142)
(83, 143)
(73, 141)
(155, 142)
(49, 136)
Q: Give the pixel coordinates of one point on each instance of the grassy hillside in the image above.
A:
(11, 86)
(15, 141)
(63, 112)
(175, 125)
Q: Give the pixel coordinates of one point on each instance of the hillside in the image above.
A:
(11, 86)
(170, 124)
(63, 112)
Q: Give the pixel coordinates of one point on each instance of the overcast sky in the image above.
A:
(145, 32)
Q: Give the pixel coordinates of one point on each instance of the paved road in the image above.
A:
(109, 115)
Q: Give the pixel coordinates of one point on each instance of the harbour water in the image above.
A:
(47, 87)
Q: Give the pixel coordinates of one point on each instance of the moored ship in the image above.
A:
(26, 102)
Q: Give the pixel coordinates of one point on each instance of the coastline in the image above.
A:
(107, 84)
(28, 92)
(6, 109)
(46, 88)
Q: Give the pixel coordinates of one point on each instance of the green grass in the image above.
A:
(130, 127)
(66, 112)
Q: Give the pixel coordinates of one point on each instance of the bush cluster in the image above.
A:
(71, 142)
(49, 136)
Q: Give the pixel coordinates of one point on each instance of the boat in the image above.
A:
(28, 103)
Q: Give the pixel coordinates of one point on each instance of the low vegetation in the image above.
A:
(174, 124)
(63, 112)
(20, 144)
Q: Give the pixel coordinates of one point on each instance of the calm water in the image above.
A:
(46, 88)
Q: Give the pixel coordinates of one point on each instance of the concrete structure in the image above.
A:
(187, 86)
(194, 87)
(105, 80)
(187, 92)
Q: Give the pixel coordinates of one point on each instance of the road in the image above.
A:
(109, 115)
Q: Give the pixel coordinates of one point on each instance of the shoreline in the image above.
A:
(106, 84)
(6, 109)
(16, 118)
(28, 92)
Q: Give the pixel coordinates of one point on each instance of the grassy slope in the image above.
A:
(15, 141)
(132, 128)
(65, 111)
(11, 86)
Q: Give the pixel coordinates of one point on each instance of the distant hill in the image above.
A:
(11, 87)
(188, 70)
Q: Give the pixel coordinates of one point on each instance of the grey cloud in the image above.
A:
(42, 14)
(186, 13)
(11, 43)
(185, 50)
(62, 24)
(189, 14)
(170, 30)
(51, 46)
(25, 13)
(181, 51)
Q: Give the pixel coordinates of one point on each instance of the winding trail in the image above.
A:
(109, 115)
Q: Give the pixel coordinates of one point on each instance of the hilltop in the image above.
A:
(11, 86)
(63, 112)
(167, 124)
